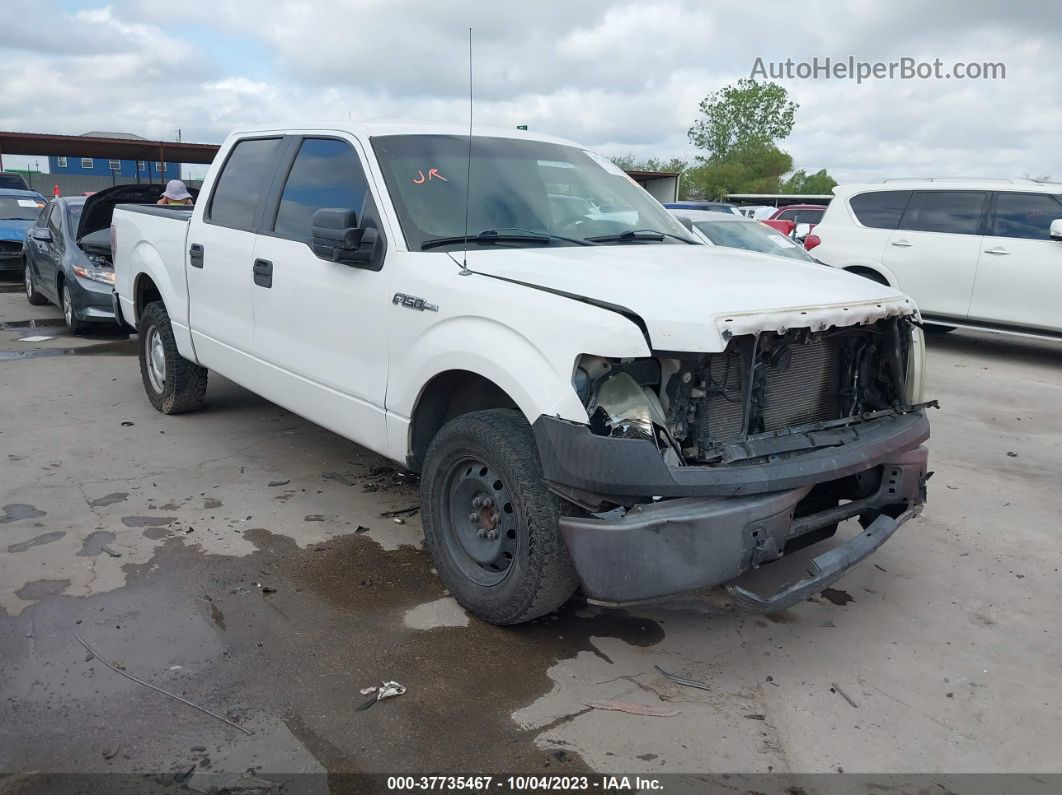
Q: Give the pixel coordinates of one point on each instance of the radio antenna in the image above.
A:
(468, 169)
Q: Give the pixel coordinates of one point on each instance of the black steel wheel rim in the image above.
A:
(481, 518)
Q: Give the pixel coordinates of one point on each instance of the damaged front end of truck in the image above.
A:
(696, 467)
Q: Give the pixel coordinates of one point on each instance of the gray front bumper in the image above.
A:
(669, 547)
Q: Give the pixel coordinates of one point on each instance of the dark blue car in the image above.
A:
(18, 210)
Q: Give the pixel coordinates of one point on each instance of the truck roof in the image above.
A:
(368, 129)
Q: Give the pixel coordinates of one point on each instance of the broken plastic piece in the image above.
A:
(388, 689)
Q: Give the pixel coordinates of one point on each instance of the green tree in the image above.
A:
(750, 168)
(801, 181)
(744, 114)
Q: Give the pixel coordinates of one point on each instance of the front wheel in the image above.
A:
(173, 384)
(75, 325)
(490, 523)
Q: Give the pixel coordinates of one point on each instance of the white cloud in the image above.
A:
(620, 76)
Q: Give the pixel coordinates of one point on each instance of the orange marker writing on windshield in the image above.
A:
(433, 173)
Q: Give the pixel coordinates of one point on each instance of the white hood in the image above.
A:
(693, 298)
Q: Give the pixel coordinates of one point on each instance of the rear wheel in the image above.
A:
(32, 295)
(76, 326)
(173, 384)
(490, 523)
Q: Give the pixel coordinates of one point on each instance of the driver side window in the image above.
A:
(326, 174)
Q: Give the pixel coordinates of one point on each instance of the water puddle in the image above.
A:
(116, 348)
(47, 538)
(16, 511)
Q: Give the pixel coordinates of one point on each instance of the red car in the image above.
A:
(799, 213)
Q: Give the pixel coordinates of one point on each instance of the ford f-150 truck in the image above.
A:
(590, 397)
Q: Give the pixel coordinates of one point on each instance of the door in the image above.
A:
(47, 253)
(321, 324)
(1019, 273)
(933, 254)
(220, 256)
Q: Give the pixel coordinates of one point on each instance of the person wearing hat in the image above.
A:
(175, 193)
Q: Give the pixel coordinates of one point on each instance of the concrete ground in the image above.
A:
(244, 559)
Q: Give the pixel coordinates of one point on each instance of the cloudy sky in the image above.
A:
(618, 76)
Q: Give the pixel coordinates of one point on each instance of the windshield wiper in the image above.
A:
(504, 235)
(638, 235)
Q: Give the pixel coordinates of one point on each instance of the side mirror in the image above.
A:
(338, 238)
(45, 235)
(686, 221)
(1056, 229)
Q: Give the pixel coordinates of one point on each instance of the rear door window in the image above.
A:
(1025, 215)
(956, 212)
(880, 209)
(326, 174)
(244, 178)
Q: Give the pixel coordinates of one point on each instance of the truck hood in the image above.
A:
(14, 230)
(694, 298)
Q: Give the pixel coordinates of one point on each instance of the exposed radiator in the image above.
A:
(807, 390)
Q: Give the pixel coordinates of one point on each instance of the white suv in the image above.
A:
(972, 253)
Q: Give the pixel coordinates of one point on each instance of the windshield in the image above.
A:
(529, 192)
(19, 208)
(753, 236)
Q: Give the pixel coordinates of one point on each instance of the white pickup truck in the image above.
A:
(591, 398)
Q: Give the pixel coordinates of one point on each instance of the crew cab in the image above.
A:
(590, 396)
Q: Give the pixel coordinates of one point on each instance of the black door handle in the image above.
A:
(263, 273)
(195, 255)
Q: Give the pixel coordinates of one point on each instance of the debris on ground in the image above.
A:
(398, 520)
(409, 510)
(681, 680)
(388, 689)
(632, 709)
(338, 477)
(1012, 454)
(279, 482)
(756, 716)
(110, 753)
(266, 589)
(361, 529)
(127, 424)
(836, 688)
(118, 670)
(35, 338)
(112, 552)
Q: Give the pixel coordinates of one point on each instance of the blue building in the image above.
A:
(137, 170)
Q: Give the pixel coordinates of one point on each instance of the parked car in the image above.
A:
(18, 210)
(719, 207)
(68, 254)
(972, 253)
(723, 229)
(799, 214)
(13, 180)
(757, 212)
(588, 401)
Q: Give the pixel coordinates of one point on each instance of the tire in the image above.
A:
(173, 384)
(523, 570)
(34, 297)
(66, 303)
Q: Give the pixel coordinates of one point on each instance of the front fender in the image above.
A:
(495, 351)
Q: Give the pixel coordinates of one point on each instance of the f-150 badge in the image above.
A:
(413, 302)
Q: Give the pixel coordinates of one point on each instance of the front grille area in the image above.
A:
(773, 382)
(805, 387)
(10, 248)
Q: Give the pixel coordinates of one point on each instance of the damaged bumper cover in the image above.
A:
(724, 521)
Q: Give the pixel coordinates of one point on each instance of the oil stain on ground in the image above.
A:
(47, 538)
(333, 625)
(17, 511)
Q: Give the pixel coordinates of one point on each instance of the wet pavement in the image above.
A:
(266, 570)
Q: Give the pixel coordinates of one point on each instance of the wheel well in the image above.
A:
(144, 293)
(868, 273)
(446, 396)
